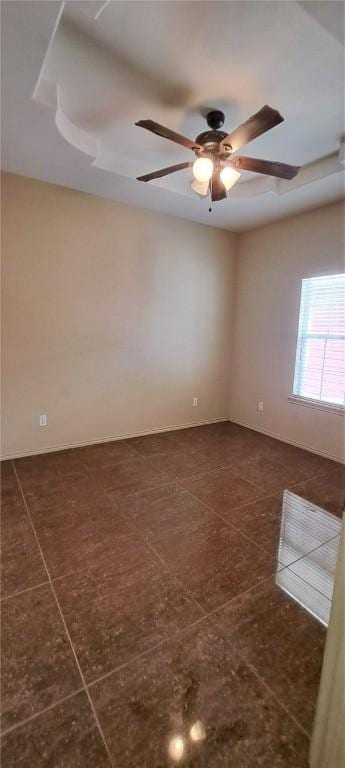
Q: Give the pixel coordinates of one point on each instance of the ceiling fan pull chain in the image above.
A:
(210, 208)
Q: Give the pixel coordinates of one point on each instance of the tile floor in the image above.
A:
(153, 601)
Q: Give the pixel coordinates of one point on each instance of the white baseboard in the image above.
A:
(111, 438)
(325, 454)
(171, 428)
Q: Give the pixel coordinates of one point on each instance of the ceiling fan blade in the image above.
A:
(280, 170)
(263, 120)
(166, 133)
(164, 171)
(218, 191)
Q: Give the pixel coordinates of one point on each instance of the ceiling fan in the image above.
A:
(216, 170)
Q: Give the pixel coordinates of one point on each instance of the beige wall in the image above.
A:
(272, 261)
(113, 318)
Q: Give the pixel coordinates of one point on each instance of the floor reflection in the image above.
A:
(308, 547)
(179, 745)
(188, 731)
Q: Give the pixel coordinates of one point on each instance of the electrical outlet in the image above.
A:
(195, 402)
(260, 405)
(43, 420)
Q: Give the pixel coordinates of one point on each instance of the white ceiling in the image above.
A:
(76, 77)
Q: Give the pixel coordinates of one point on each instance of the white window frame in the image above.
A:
(295, 397)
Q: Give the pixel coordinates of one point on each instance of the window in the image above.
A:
(320, 358)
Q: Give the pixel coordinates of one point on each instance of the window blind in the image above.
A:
(320, 357)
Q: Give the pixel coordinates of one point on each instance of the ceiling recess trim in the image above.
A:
(49, 94)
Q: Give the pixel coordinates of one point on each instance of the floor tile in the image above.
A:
(106, 454)
(222, 490)
(285, 525)
(86, 532)
(260, 520)
(163, 510)
(327, 490)
(150, 445)
(38, 666)
(310, 463)
(128, 477)
(8, 478)
(186, 463)
(142, 536)
(116, 612)
(21, 563)
(57, 496)
(215, 562)
(198, 696)
(230, 453)
(276, 466)
(270, 474)
(63, 737)
(48, 467)
(282, 642)
(194, 438)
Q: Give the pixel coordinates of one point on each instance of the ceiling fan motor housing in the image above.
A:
(210, 140)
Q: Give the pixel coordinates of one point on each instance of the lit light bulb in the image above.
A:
(229, 177)
(200, 187)
(176, 748)
(203, 169)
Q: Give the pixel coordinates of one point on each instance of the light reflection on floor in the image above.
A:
(308, 547)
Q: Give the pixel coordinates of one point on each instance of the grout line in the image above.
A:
(228, 466)
(227, 523)
(136, 493)
(256, 585)
(274, 696)
(201, 475)
(174, 576)
(164, 641)
(141, 655)
(230, 525)
(63, 618)
(297, 575)
(208, 615)
(306, 554)
(41, 712)
(23, 591)
(249, 664)
(156, 555)
(179, 633)
(280, 565)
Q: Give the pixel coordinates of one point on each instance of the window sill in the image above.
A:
(318, 404)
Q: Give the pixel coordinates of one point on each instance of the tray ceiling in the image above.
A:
(78, 75)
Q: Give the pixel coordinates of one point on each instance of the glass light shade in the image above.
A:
(203, 169)
(229, 177)
(200, 187)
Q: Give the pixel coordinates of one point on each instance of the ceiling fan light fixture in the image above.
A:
(200, 187)
(203, 169)
(213, 172)
(229, 177)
